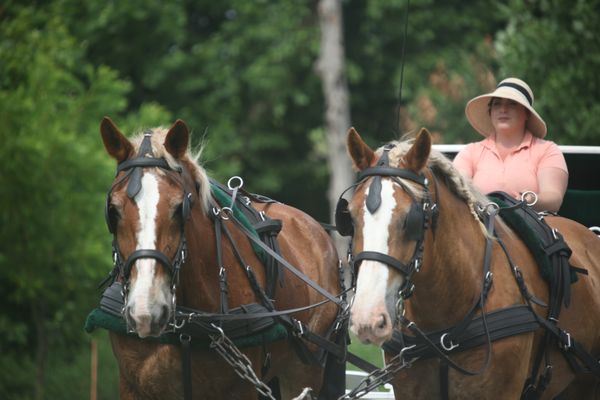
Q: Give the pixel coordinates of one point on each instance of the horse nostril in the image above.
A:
(129, 318)
(383, 322)
(164, 316)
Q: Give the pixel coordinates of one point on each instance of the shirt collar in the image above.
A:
(527, 141)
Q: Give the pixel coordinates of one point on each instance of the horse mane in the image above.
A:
(190, 161)
(443, 168)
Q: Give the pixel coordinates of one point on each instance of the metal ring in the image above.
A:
(221, 333)
(178, 326)
(535, 197)
(226, 212)
(230, 184)
(447, 348)
(491, 207)
(184, 338)
(403, 350)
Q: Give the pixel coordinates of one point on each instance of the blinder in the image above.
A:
(343, 219)
(414, 223)
(110, 216)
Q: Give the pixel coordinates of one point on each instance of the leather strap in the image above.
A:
(404, 269)
(186, 366)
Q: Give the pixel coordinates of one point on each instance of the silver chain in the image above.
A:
(240, 363)
(380, 376)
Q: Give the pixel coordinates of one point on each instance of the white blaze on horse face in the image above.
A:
(369, 311)
(145, 300)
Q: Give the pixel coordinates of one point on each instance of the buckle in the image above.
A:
(299, 331)
(567, 342)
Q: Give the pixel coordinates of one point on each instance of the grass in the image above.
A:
(371, 353)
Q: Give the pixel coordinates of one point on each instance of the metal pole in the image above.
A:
(94, 370)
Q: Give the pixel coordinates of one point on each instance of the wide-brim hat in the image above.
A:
(477, 110)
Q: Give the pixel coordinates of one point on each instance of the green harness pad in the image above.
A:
(101, 319)
(224, 200)
(528, 235)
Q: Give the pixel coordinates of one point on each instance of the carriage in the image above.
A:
(150, 255)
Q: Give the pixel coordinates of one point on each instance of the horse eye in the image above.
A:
(178, 211)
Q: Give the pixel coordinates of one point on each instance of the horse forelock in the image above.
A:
(442, 168)
(190, 162)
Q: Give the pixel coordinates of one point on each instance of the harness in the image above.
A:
(473, 330)
(420, 216)
(134, 171)
(254, 320)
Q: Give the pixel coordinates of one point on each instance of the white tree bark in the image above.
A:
(331, 69)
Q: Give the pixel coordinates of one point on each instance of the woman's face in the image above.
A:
(508, 115)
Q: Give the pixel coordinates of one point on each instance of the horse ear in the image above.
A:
(361, 154)
(416, 158)
(115, 143)
(177, 139)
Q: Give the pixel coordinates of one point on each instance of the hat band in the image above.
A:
(520, 89)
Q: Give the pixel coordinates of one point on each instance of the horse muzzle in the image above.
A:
(151, 322)
(374, 328)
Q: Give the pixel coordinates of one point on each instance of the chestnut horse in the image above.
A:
(424, 265)
(153, 213)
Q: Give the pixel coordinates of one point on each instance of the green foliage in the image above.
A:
(241, 74)
(553, 45)
(448, 59)
(52, 184)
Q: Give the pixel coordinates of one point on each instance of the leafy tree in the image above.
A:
(53, 246)
(448, 58)
(553, 45)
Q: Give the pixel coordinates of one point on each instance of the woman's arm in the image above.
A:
(553, 185)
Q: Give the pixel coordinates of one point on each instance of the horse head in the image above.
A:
(389, 215)
(146, 211)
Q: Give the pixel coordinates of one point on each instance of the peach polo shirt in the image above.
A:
(515, 174)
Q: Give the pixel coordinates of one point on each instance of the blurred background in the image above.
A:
(249, 78)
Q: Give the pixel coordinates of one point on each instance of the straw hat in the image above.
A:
(477, 110)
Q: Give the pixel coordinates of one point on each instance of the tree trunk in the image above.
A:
(331, 69)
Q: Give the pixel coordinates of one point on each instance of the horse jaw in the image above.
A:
(148, 308)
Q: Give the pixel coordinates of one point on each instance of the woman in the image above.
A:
(513, 158)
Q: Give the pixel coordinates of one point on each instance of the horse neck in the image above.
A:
(450, 280)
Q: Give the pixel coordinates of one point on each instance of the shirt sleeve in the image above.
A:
(552, 157)
(463, 161)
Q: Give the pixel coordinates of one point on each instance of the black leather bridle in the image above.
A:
(421, 216)
(134, 170)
